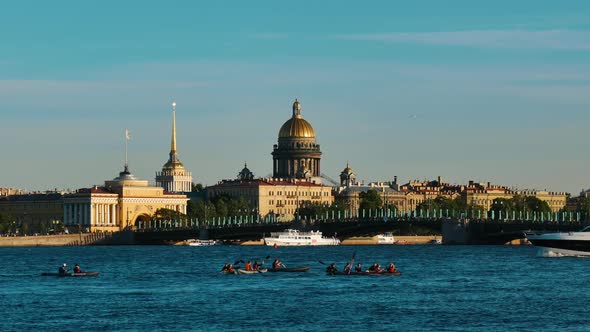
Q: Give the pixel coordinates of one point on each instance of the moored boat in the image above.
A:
(71, 274)
(386, 238)
(562, 244)
(292, 237)
(202, 243)
(366, 273)
(290, 269)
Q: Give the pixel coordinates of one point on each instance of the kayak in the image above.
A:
(240, 271)
(341, 273)
(71, 274)
(290, 269)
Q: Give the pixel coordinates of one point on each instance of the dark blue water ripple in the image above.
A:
(443, 288)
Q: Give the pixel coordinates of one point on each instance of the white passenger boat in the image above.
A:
(202, 243)
(386, 238)
(562, 244)
(292, 237)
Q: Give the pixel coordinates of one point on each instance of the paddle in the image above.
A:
(351, 262)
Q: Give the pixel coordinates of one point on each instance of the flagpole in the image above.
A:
(126, 143)
(125, 148)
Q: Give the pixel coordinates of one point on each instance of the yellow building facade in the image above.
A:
(32, 213)
(279, 198)
(119, 205)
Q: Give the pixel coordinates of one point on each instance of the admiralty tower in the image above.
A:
(297, 155)
(174, 177)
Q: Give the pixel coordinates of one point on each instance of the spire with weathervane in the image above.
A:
(174, 178)
(173, 153)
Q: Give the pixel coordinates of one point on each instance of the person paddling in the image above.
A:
(332, 268)
(230, 269)
(277, 264)
(225, 267)
(77, 268)
(63, 269)
(256, 266)
(391, 268)
(348, 268)
(248, 266)
(358, 268)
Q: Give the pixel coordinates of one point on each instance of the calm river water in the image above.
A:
(146, 288)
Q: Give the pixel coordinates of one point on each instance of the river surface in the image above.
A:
(147, 288)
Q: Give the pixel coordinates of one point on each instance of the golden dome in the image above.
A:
(296, 126)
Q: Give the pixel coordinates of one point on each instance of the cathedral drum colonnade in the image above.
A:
(297, 155)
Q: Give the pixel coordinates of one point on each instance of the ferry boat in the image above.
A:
(386, 238)
(202, 243)
(562, 244)
(292, 237)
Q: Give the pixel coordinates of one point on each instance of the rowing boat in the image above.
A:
(240, 271)
(71, 274)
(341, 273)
(290, 269)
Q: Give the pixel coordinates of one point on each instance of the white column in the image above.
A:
(85, 214)
(108, 213)
(117, 215)
(92, 211)
(64, 214)
(99, 214)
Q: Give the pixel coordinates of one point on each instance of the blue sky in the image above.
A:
(491, 91)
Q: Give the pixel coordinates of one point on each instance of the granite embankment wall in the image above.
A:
(398, 240)
(118, 238)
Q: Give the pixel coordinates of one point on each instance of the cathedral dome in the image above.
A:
(296, 126)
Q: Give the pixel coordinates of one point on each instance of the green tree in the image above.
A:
(167, 214)
(196, 187)
(534, 204)
(205, 210)
(503, 206)
(191, 206)
(439, 203)
(313, 210)
(469, 210)
(371, 199)
(5, 223)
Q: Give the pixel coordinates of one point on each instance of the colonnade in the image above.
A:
(91, 214)
(290, 167)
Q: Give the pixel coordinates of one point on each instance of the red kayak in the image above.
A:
(366, 273)
(71, 274)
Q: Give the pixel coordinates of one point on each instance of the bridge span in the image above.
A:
(453, 231)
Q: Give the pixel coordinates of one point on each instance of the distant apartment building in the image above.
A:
(33, 213)
(279, 198)
(349, 192)
(10, 191)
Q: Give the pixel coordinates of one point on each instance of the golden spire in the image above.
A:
(173, 155)
(296, 108)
